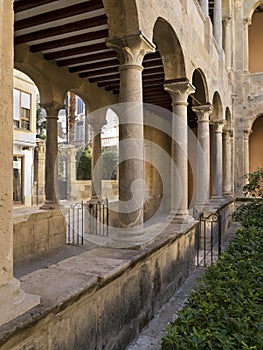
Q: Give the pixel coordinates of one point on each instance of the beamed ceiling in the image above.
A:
(72, 34)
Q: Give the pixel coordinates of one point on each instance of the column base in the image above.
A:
(129, 239)
(180, 218)
(14, 301)
(48, 205)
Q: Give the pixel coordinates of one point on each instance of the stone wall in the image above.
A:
(109, 189)
(36, 232)
(111, 309)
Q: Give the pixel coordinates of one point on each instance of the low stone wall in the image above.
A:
(110, 189)
(102, 299)
(36, 231)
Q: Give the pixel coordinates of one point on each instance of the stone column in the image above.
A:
(228, 42)
(179, 92)
(204, 7)
(13, 301)
(246, 136)
(52, 110)
(227, 162)
(217, 163)
(39, 171)
(131, 50)
(96, 174)
(246, 24)
(203, 154)
(69, 154)
(218, 22)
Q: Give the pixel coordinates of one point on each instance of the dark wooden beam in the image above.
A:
(109, 84)
(69, 41)
(23, 5)
(153, 77)
(95, 65)
(65, 28)
(88, 58)
(151, 71)
(76, 51)
(61, 13)
(103, 78)
(153, 63)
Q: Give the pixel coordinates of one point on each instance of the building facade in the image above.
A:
(185, 79)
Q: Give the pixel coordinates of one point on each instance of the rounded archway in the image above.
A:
(255, 37)
(256, 144)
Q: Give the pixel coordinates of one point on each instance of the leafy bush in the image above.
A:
(251, 214)
(84, 163)
(226, 310)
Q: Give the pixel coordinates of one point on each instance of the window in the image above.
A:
(18, 179)
(21, 109)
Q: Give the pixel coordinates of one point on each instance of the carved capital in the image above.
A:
(131, 49)
(96, 124)
(179, 91)
(246, 134)
(52, 108)
(218, 125)
(203, 112)
(246, 22)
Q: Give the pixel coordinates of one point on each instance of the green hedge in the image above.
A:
(226, 310)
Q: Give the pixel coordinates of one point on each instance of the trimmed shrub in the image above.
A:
(226, 310)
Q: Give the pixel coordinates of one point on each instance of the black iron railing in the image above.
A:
(75, 226)
(208, 239)
(98, 218)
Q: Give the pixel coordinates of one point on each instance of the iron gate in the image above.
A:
(75, 227)
(208, 240)
(98, 218)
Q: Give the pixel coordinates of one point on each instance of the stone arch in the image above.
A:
(249, 8)
(255, 37)
(40, 81)
(170, 50)
(200, 97)
(122, 17)
(217, 113)
(228, 119)
(256, 143)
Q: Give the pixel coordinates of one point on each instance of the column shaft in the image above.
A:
(179, 92)
(131, 145)
(246, 24)
(204, 7)
(52, 110)
(227, 42)
(227, 163)
(96, 174)
(246, 154)
(203, 154)
(217, 160)
(218, 22)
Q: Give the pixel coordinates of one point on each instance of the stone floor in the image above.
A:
(151, 336)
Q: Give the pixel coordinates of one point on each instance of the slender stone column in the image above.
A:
(227, 41)
(179, 92)
(227, 162)
(52, 110)
(203, 154)
(217, 159)
(96, 174)
(131, 50)
(246, 24)
(13, 301)
(218, 22)
(246, 136)
(204, 7)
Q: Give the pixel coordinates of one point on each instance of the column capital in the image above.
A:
(228, 133)
(218, 125)
(96, 124)
(203, 112)
(131, 49)
(226, 20)
(246, 22)
(52, 108)
(179, 91)
(247, 134)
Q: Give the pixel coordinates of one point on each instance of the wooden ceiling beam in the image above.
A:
(23, 5)
(91, 66)
(151, 71)
(58, 14)
(88, 58)
(106, 78)
(65, 28)
(108, 84)
(76, 51)
(69, 41)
